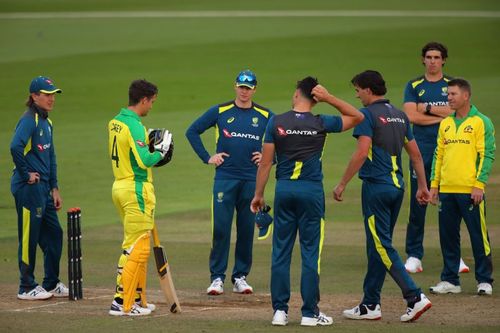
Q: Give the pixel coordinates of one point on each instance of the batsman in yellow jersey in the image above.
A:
(133, 195)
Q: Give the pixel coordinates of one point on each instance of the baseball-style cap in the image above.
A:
(43, 84)
(264, 222)
(246, 78)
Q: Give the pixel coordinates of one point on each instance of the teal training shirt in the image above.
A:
(418, 91)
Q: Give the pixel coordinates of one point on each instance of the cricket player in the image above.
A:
(239, 129)
(381, 137)
(36, 193)
(462, 163)
(134, 197)
(297, 137)
(426, 105)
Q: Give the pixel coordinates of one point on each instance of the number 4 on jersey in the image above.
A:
(114, 152)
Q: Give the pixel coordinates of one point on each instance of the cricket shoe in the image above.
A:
(413, 265)
(149, 306)
(364, 311)
(413, 312)
(463, 268)
(216, 288)
(280, 318)
(117, 310)
(320, 319)
(35, 294)
(60, 290)
(444, 287)
(241, 286)
(484, 288)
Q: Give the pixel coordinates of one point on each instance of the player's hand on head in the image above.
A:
(217, 159)
(320, 93)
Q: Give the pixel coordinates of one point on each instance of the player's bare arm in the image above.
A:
(418, 118)
(356, 162)
(423, 196)
(263, 172)
(350, 115)
(441, 111)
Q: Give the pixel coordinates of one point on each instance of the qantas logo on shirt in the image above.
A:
(228, 134)
(43, 147)
(459, 141)
(387, 120)
(140, 143)
(285, 132)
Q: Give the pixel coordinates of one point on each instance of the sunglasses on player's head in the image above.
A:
(245, 78)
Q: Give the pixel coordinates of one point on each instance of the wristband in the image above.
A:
(428, 109)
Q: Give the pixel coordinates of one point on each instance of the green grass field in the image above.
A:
(194, 59)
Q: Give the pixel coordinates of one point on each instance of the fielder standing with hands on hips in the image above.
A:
(462, 163)
(133, 195)
(239, 126)
(36, 193)
(297, 138)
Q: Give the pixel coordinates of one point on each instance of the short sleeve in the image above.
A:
(410, 94)
(333, 124)
(269, 136)
(365, 128)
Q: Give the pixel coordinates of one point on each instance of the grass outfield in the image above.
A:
(194, 62)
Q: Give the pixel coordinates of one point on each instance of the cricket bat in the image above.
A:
(166, 283)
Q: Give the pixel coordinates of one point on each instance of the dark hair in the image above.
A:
(370, 79)
(139, 89)
(463, 84)
(436, 47)
(306, 85)
(30, 101)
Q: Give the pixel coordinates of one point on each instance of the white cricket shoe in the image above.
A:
(363, 311)
(413, 313)
(35, 294)
(60, 290)
(484, 288)
(241, 286)
(321, 319)
(463, 268)
(413, 265)
(216, 288)
(117, 310)
(444, 287)
(280, 318)
(149, 306)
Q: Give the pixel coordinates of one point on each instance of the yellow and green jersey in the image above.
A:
(464, 154)
(129, 148)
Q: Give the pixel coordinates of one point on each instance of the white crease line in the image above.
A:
(53, 304)
(250, 13)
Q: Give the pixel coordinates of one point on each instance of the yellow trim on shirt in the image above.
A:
(225, 108)
(262, 112)
(416, 83)
(393, 172)
(297, 170)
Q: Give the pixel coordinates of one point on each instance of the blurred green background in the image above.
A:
(194, 61)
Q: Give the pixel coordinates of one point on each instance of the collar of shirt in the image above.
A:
(41, 112)
(130, 113)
